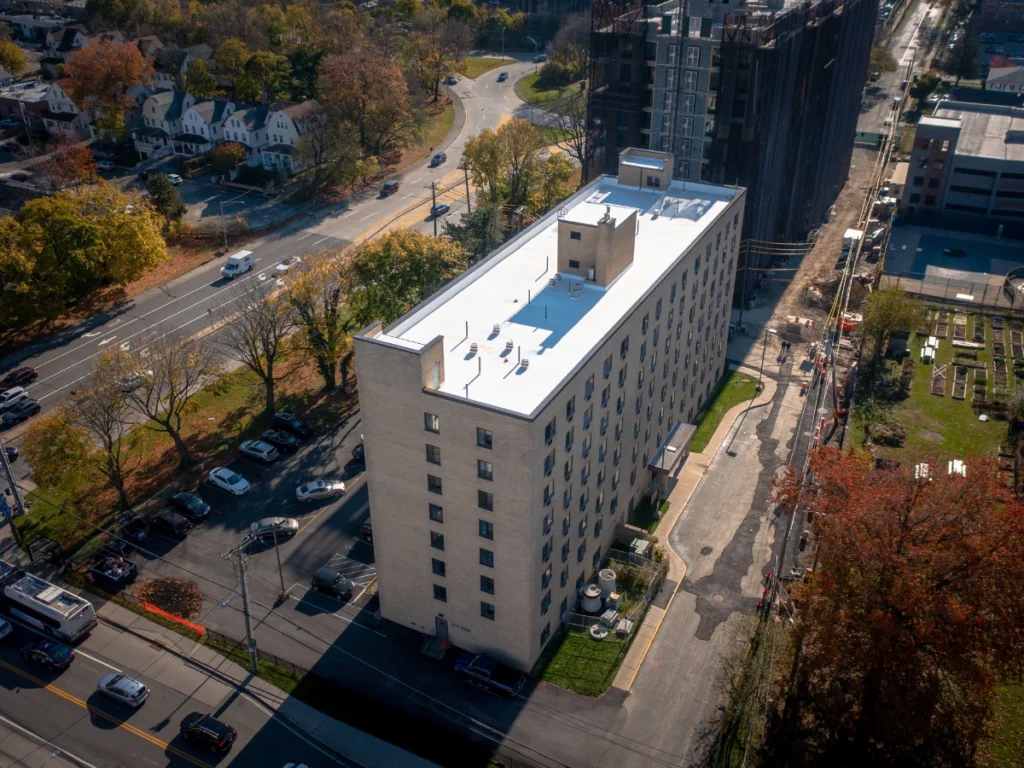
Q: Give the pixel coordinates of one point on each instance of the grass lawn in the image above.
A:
(583, 665)
(474, 66)
(1006, 747)
(934, 423)
(643, 514)
(907, 139)
(532, 89)
(440, 119)
(734, 389)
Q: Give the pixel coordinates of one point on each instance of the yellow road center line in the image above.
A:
(100, 713)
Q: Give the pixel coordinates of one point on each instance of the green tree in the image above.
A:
(230, 58)
(165, 196)
(477, 232)
(962, 61)
(57, 449)
(199, 82)
(551, 184)
(462, 10)
(505, 161)
(316, 293)
(924, 86)
(429, 60)
(569, 59)
(228, 156)
(11, 58)
(888, 310)
(304, 61)
(265, 76)
(388, 276)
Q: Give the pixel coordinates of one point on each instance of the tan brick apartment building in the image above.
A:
(509, 420)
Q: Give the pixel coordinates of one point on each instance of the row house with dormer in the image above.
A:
(160, 122)
(62, 116)
(202, 127)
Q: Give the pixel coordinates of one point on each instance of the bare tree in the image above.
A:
(102, 411)
(570, 123)
(160, 382)
(316, 293)
(257, 322)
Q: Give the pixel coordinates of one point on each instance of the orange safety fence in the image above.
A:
(197, 628)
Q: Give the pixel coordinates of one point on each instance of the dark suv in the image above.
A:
(20, 377)
(293, 424)
(207, 731)
(189, 505)
(170, 524)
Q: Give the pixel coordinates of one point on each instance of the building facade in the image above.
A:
(510, 421)
(763, 96)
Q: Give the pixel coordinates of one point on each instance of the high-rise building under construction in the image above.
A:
(761, 95)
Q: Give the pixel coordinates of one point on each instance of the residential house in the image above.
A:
(161, 120)
(285, 125)
(5, 78)
(201, 127)
(172, 64)
(247, 126)
(25, 101)
(63, 116)
(31, 27)
(149, 45)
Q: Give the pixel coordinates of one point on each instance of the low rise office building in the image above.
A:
(516, 417)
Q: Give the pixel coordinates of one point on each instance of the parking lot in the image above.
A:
(999, 44)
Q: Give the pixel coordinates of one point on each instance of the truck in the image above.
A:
(488, 673)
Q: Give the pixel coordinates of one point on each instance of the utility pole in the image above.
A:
(280, 571)
(246, 610)
(433, 207)
(763, 350)
(465, 169)
(19, 502)
(745, 251)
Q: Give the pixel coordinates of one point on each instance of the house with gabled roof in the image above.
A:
(149, 45)
(162, 114)
(62, 116)
(201, 127)
(285, 126)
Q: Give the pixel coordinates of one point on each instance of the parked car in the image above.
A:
(874, 76)
(332, 583)
(229, 481)
(287, 263)
(20, 377)
(490, 674)
(11, 397)
(281, 440)
(49, 653)
(439, 209)
(5, 628)
(452, 80)
(258, 450)
(359, 454)
(105, 165)
(134, 529)
(190, 505)
(437, 159)
(135, 381)
(123, 689)
(207, 731)
(175, 179)
(170, 524)
(318, 490)
(293, 424)
(367, 531)
(389, 188)
(540, 58)
(12, 453)
(22, 410)
(502, 77)
(270, 527)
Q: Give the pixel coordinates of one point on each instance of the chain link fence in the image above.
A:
(995, 293)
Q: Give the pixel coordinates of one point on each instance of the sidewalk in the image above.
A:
(689, 478)
(194, 669)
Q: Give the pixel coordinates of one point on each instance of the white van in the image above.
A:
(238, 264)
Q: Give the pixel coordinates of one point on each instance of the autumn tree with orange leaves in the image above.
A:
(100, 76)
(915, 612)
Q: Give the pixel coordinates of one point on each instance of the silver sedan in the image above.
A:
(123, 689)
(317, 490)
(271, 527)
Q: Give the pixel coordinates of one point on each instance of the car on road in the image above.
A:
(22, 411)
(281, 440)
(488, 673)
(440, 209)
(294, 424)
(502, 77)
(123, 689)
(237, 264)
(389, 188)
(258, 450)
(452, 80)
(11, 397)
(540, 58)
(437, 159)
(207, 731)
(189, 505)
(317, 490)
(20, 377)
(49, 653)
(10, 122)
(5, 628)
(12, 453)
(170, 524)
(135, 381)
(105, 165)
(175, 179)
(271, 527)
(287, 263)
(20, 176)
(332, 583)
(226, 480)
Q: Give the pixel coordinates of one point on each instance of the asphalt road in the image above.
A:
(57, 718)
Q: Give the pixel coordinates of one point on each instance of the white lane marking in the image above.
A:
(371, 213)
(78, 651)
(58, 751)
(413, 181)
(308, 234)
(347, 620)
(105, 341)
(92, 335)
(126, 346)
(322, 240)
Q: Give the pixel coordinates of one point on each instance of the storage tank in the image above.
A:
(606, 581)
(591, 602)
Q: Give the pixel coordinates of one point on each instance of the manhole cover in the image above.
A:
(706, 550)
(718, 599)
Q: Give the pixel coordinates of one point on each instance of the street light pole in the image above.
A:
(763, 350)
(465, 168)
(433, 207)
(503, 43)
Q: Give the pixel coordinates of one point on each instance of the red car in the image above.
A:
(20, 377)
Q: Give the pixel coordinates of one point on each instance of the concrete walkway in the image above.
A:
(690, 475)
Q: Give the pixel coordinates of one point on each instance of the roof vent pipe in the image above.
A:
(496, 329)
(473, 348)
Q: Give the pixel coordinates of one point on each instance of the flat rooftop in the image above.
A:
(556, 327)
(984, 128)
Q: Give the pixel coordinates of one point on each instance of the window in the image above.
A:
(570, 408)
(581, 552)
(484, 470)
(685, 126)
(624, 347)
(573, 235)
(436, 513)
(437, 566)
(607, 367)
(692, 56)
(569, 436)
(549, 462)
(431, 423)
(545, 604)
(545, 634)
(933, 183)
(440, 593)
(486, 558)
(433, 454)
(484, 438)
(486, 529)
(564, 578)
(690, 80)
(573, 264)
(433, 483)
(549, 432)
(485, 500)
(487, 585)
(545, 578)
(487, 610)
(588, 388)
(437, 540)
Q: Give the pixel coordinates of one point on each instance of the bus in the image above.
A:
(49, 608)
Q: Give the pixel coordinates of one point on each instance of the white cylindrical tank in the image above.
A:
(591, 599)
(606, 581)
